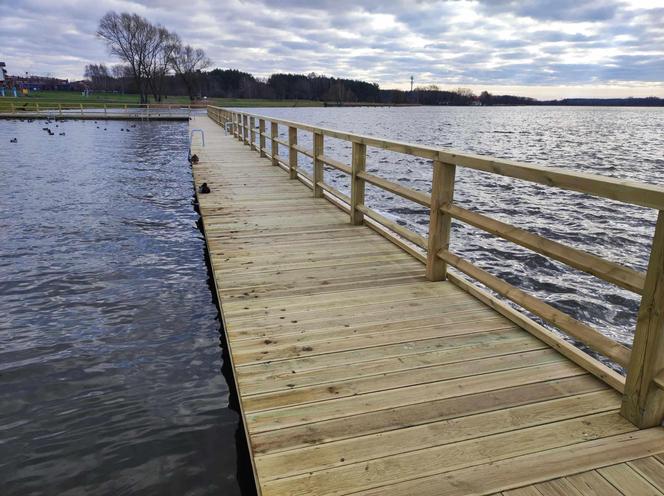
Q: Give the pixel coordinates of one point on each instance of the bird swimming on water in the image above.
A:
(13, 140)
(193, 159)
(204, 189)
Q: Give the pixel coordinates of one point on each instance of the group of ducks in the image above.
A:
(51, 133)
(203, 189)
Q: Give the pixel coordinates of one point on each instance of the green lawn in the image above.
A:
(53, 98)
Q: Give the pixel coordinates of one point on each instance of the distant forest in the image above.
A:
(232, 83)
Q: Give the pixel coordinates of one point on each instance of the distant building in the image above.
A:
(3, 74)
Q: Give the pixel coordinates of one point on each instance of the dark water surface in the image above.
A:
(111, 376)
(620, 142)
(110, 359)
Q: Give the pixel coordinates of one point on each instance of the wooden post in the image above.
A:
(105, 110)
(37, 106)
(13, 108)
(358, 165)
(240, 127)
(261, 138)
(440, 224)
(252, 133)
(318, 165)
(245, 129)
(292, 153)
(60, 108)
(81, 109)
(274, 133)
(643, 401)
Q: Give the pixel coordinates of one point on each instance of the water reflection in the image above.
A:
(110, 360)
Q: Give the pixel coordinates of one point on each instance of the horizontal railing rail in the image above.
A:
(643, 399)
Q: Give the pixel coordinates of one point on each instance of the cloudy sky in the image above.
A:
(541, 48)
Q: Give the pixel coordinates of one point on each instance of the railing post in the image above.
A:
(81, 109)
(357, 185)
(292, 153)
(440, 224)
(105, 110)
(236, 130)
(13, 108)
(643, 400)
(252, 133)
(274, 133)
(261, 137)
(60, 108)
(318, 165)
(37, 106)
(245, 129)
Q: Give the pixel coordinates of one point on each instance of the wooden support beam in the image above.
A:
(245, 129)
(643, 402)
(261, 139)
(252, 133)
(292, 152)
(274, 132)
(440, 225)
(318, 176)
(357, 185)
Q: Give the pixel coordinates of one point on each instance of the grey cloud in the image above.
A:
(505, 41)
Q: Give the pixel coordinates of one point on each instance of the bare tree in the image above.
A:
(188, 62)
(98, 75)
(131, 38)
(121, 73)
(158, 60)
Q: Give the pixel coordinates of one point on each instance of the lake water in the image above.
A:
(112, 379)
(110, 359)
(619, 142)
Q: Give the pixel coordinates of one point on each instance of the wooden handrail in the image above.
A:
(333, 191)
(335, 164)
(303, 151)
(584, 333)
(594, 184)
(643, 401)
(611, 272)
(397, 189)
(394, 226)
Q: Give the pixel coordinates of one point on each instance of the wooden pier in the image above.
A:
(94, 111)
(366, 365)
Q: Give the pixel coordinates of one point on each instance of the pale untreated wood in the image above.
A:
(411, 236)
(440, 222)
(617, 189)
(335, 164)
(356, 374)
(292, 155)
(359, 158)
(261, 130)
(617, 274)
(408, 193)
(318, 175)
(643, 403)
(274, 132)
(583, 332)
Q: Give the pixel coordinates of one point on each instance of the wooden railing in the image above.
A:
(20, 107)
(643, 386)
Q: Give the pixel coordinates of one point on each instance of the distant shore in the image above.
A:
(54, 98)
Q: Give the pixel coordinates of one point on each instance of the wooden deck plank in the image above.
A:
(357, 375)
(628, 481)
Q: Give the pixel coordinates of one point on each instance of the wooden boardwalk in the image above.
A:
(357, 375)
